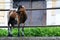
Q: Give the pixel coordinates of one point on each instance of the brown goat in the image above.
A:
(21, 18)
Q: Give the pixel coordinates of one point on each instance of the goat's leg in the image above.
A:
(18, 21)
(23, 29)
(18, 30)
(9, 31)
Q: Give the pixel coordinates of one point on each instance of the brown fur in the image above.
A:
(22, 16)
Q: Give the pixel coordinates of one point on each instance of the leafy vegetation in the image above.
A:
(33, 32)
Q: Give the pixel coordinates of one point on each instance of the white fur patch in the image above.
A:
(11, 12)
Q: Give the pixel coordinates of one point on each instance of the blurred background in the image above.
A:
(38, 15)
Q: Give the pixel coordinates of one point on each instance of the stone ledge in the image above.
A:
(29, 38)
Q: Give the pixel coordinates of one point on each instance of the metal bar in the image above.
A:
(32, 26)
(30, 12)
(5, 2)
(32, 9)
(45, 9)
(4, 9)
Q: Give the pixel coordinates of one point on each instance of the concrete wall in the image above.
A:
(4, 4)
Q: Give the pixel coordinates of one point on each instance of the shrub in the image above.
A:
(33, 32)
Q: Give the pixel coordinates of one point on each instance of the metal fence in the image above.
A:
(36, 12)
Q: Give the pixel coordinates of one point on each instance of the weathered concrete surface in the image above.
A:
(29, 38)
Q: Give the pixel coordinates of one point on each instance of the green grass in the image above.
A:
(33, 32)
